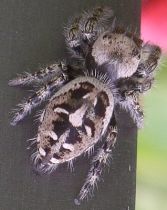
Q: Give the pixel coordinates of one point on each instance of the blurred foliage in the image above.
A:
(152, 148)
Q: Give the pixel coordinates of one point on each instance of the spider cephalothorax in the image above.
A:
(110, 66)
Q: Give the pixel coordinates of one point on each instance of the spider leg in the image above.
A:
(128, 86)
(130, 103)
(38, 97)
(150, 56)
(129, 89)
(142, 80)
(81, 32)
(40, 77)
(93, 22)
(127, 96)
(98, 163)
(72, 37)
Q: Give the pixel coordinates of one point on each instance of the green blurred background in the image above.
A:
(152, 147)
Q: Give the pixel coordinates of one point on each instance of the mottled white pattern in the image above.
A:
(54, 160)
(68, 146)
(76, 118)
(42, 151)
(60, 110)
(42, 116)
(88, 130)
(52, 134)
(95, 101)
(38, 138)
(86, 96)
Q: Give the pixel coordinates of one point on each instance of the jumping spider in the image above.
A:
(109, 66)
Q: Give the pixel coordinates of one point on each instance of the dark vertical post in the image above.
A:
(31, 34)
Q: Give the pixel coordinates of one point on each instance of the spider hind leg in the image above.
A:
(98, 163)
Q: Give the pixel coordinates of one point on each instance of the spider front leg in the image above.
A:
(150, 56)
(40, 77)
(98, 163)
(73, 39)
(82, 31)
(94, 22)
(129, 89)
(38, 97)
(128, 86)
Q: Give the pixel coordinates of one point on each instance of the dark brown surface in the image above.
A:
(31, 35)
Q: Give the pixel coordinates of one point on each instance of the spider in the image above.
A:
(108, 67)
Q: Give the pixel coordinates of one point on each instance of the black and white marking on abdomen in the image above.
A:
(74, 120)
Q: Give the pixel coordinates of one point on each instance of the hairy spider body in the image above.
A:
(74, 120)
(110, 66)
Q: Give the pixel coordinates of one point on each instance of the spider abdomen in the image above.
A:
(74, 120)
